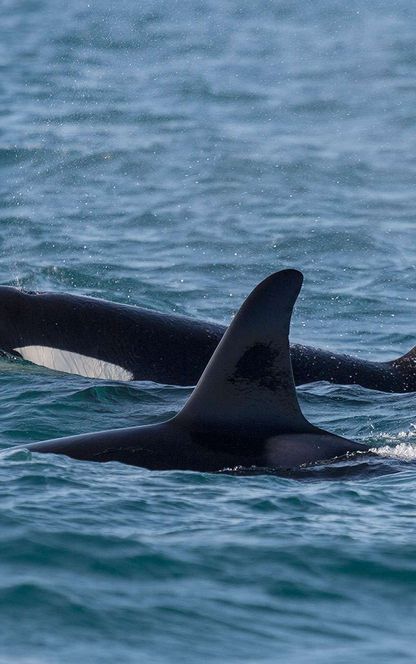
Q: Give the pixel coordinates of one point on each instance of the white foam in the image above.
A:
(63, 360)
(403, 451)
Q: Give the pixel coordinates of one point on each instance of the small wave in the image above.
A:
(402, 451)
(401, 446)
(15, 454)
(403, 435)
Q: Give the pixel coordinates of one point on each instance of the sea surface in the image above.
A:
(171, 154)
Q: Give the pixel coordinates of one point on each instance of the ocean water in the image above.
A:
(171, 155)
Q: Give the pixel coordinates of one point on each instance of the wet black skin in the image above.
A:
(166, 348)
(243, 412)
(174, 445)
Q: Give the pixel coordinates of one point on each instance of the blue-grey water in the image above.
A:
(172, 154)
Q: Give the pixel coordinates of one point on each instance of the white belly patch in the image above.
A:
(75, 363)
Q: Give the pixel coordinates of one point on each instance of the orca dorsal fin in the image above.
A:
(249, 379)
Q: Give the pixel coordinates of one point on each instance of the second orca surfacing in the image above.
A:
(243, 412)
(100, 339)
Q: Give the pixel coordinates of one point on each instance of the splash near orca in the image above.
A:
(243, 412)
(100, 339)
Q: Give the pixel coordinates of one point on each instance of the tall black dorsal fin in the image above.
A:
(249, 379)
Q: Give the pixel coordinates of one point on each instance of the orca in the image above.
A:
(100, 339)
(244, 411)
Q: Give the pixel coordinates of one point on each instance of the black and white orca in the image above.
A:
(243, 412)
(100, 339)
